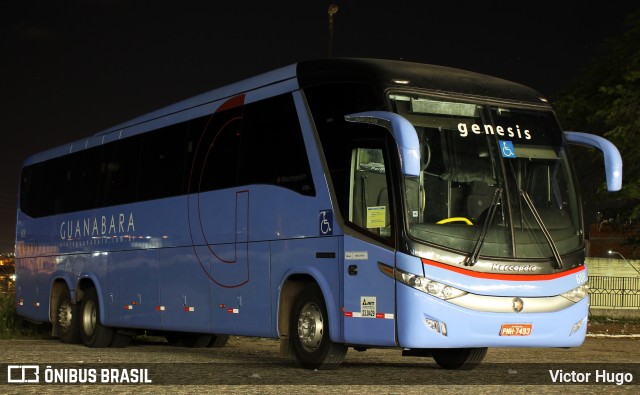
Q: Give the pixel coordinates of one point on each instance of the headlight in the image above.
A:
(431, 287)
(576, 294)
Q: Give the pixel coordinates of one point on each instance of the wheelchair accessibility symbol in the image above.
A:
(507, 150)
(326, 222)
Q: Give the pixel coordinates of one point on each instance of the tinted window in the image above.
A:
(260, 143)
(274, 151)
(163, 162)
(215, 164)
(329, 104)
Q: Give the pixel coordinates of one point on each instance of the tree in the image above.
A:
(605, 100)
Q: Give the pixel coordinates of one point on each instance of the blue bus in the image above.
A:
(331, 204)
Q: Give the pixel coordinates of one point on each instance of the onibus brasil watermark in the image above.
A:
(280, 373)
(32, 374)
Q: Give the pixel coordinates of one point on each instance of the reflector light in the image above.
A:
(577, 326)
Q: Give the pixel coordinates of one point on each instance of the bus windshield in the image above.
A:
(494, 180)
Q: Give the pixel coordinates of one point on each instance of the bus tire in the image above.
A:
(67, 326)
(173, 338)
(459, 358)
(195, 340)
(92, 332)
(309, 332)
(120, 340)
(218, 341)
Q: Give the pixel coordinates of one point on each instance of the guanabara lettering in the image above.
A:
(105, 225)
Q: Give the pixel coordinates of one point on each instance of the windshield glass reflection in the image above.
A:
(494, 181)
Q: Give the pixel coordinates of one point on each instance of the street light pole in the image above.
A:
(625, 259)
(333, 9)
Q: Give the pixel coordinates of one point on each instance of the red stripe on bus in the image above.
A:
(507, 277)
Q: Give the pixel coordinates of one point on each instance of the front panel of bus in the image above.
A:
(494, 217)
(487, 237)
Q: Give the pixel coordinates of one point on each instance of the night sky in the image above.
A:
(69, 69)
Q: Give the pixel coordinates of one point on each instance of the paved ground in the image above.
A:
(252, 365)
(613, 327)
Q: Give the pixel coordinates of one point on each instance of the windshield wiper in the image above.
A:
(473, 258)
(527, 199)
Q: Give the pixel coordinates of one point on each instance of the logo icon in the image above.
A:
(507, 150)
(517, 304)
(326, 222)
(23, 374)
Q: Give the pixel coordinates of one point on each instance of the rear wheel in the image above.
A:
(309, 332)
(195, 340)
(459, 358)
(218, 341)
(172, 337)
(67, 314)
(92, 332)
(120, 340)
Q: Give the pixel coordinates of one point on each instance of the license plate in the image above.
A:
(516, 329)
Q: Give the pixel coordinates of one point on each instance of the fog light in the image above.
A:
(436, 326)
(433, 325)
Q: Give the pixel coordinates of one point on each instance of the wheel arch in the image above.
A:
(290, 288)
(89, 281)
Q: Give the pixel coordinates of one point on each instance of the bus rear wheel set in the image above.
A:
(311, 343)
(92, 332)
(80, 323)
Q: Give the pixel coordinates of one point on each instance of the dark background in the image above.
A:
(69, 69)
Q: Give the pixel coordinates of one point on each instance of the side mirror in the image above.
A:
(612, 158)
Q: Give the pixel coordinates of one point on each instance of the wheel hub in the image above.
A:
(310, 326)
(65, 316)
(89, 318)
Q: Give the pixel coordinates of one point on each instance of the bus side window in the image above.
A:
(118, 172)
(369, 196)
(273, 150)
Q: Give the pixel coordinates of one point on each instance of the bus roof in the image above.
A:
(314, 72)
(417, 75)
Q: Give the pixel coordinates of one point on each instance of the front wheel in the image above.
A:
(309, 333)
(459, 358)
(92, 332)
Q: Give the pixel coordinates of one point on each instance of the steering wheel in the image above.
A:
(454, 219)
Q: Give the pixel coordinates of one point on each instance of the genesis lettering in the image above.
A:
(502, 131)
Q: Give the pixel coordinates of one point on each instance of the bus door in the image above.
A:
(369, 308)
(371, 231)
